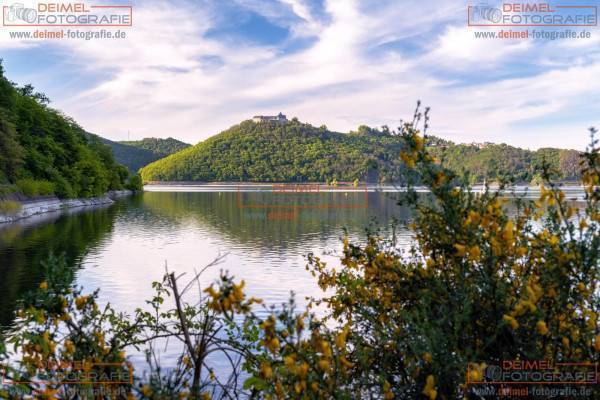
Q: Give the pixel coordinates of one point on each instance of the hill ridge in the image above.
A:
(300, 152)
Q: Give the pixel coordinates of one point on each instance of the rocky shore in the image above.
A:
(33, 207)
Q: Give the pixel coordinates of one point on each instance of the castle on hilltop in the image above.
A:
(280, 118)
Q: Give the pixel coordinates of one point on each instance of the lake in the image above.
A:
(123, 248)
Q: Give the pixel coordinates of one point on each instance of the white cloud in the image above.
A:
(458, 48)
(161, 84)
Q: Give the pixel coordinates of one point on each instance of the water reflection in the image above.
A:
(25, 245)
(123, 248)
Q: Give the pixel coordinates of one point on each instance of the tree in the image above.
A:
(40, 148)
(569, 164)
(11, 152)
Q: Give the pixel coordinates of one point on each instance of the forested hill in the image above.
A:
(42, 152)
(298, 152)
(273, 152)
(136, 154)
(160, 147)
(491, 161)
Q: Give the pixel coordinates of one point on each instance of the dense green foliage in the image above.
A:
(137, 154)
(297, 152)
(44, 152)
(293, 152)
(160, 147)
(495, 161)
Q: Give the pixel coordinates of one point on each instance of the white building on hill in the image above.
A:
(270, 118)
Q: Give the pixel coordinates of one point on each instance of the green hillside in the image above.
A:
(293, 152)
(493, 161)
(297, 152)
(137, 154)
(160, 147)
(43, 152)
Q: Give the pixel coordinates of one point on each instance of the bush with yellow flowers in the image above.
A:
(66, 341)
(486, 280)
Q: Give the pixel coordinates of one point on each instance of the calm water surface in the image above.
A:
(123, 248)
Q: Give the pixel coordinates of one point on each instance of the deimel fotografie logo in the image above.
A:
(18, 11)
(532, 14)
(33, 13)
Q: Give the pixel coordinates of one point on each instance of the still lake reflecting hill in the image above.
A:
(123, 248)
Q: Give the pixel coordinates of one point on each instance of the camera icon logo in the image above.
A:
(18, 11)
(484, 12)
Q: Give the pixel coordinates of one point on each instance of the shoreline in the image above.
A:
(31, 208)
(566, 184)
(347, 186)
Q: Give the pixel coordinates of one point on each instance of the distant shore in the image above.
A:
(571, 190)
(566, 184)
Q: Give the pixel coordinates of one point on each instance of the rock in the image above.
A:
(41, 206)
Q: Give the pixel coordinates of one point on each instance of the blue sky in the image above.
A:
(189, 69)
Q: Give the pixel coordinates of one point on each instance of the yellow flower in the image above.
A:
(476, 372)
(49, 393)
(300, 323)
(565, 341)
(472, 218)
(266, 370)
(427, 357)
(474, 253)
(508, 233)
(440, 179)
(419, 142)
(44, 285)
(346, 363)
(299, 387)
(460, 250)
(69, 347)
(238, 291)
(80, 302)
(541, 327)
(521, 251)
(146, 391)
(211, 292)
(340, 340)
(289, 361)
(387, 391)
(273, 345)
(511, 321)
(302, 370)
(323, 365)
(429, 389)
(408, 160)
